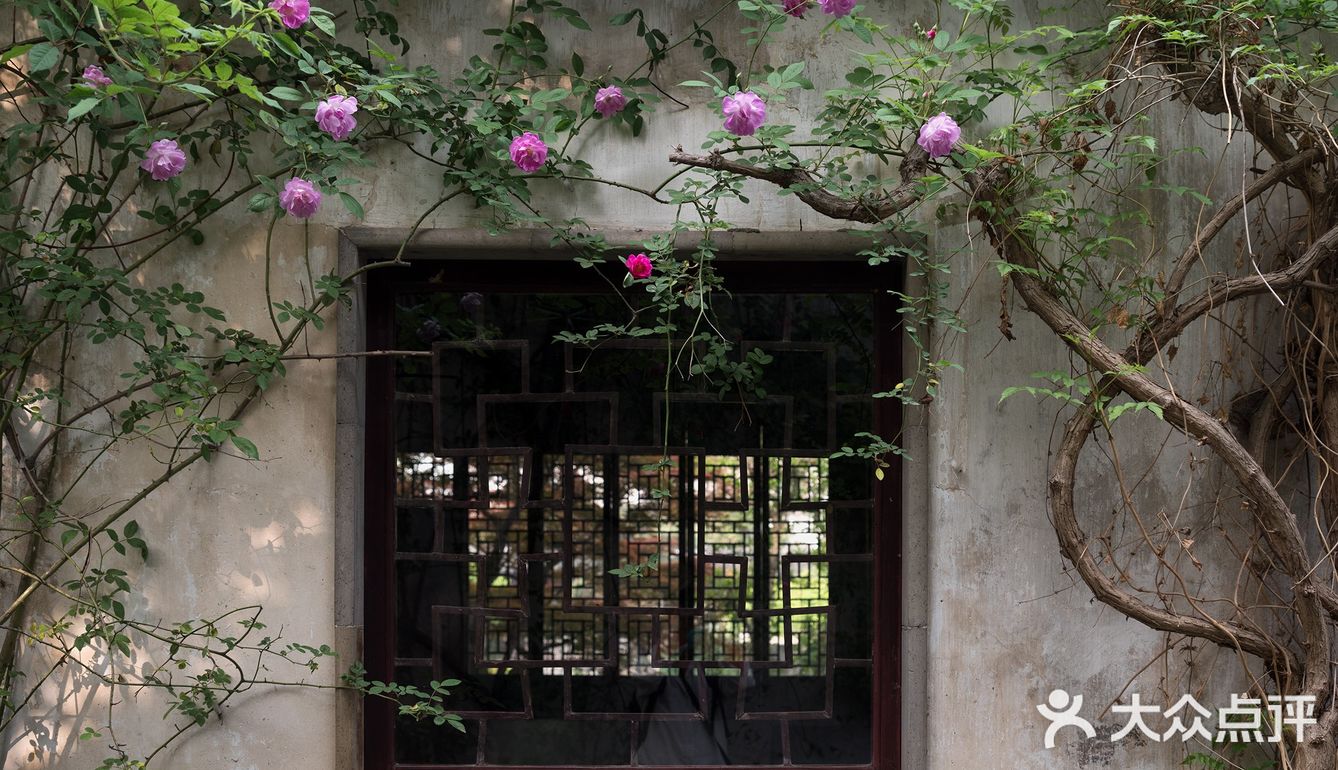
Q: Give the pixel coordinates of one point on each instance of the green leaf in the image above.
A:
(574, 18)
(323, 23)
(287, 94)
(42, 57)
(980, 152)
(260, 201)
(81, 108)
(246, 447)
(352, 205)
(198, 90)
(15, 52)
(290, 45)
(248, 89)
(551, 95)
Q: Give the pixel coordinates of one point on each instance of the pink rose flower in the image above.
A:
(639, 265)
(164, 160)
(94, 77)
(335, 116)
(796, 8)
(293, 13)
(938, 135)
(300, 198)
(744, 112)
(837, 8)
(609, 100)
(529, 152)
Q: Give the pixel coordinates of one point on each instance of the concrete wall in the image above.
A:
(993, 621)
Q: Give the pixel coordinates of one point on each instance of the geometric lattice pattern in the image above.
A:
(519, 488)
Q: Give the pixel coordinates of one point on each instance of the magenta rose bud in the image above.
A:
(609, 101)
(938, 135)
(300, 198)
(796, 8)
(744, 112)
(837, 8)
(293, 13)
(164, 160)
(335, 116)
(94, 77)
(639, 265)
(529, 152)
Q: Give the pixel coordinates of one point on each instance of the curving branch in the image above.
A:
(1278, 172)
(1224, 290)
(1315, 600)
(1077, 548)
(809, 189)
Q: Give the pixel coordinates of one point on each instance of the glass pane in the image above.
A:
(528, 468)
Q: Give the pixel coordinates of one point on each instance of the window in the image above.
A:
(511, 470)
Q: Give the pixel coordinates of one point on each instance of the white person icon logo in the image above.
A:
(1062, 711)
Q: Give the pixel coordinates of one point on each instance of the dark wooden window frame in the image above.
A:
(520, 276)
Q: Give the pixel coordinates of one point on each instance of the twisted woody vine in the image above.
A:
(129, 125)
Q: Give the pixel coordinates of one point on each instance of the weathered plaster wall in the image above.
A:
(999, 620)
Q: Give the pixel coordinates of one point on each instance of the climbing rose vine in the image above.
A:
(278, 106)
